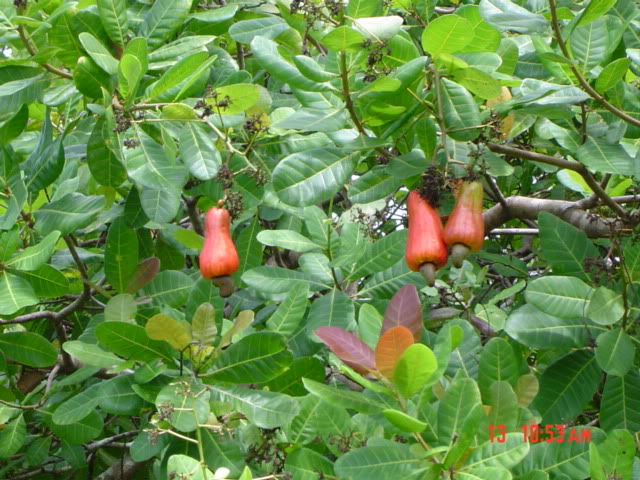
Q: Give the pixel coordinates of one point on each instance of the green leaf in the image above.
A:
(595, 10)
(203, 325)
(12, 437)
(507, 15)
(175, 75)
(316, 419)
(566, 386)
(404, 422)
(45, 164)
(113, 14)
(268, 27)
(77, 407)
(187, 467)
(484, 473)
(91, 355)
(305, 464)
(564, 246)
(240, 97)
(414, 368)
(169, 287)
(263, 408)
(131, 341)
(447, 34)
(256, 358)
(99, 53)
(615, 352)
(461, 112)
(198, 151)
(287, 239)
(176, 49)
(68, 214)
(315, 120)
(46, 281)
(120, 308)
(606, 306)
(103, 164)
(612, 74)
(373, 185)
(190, 402)
(536, 329)
(478, 82)
(312, 176)
(116, 396)
(495, 454)
(267, 56)
(172, 331)
(129, 75)
(312, 69)
(28, 349)
(485, 37)
(289, 313)
(619, 408)
(393, 460)
(498, 363)
(340, 398)
(34, 257)
(279, 280)
(334, 309)
(90, 79)
(589, 44)
(343, 39)
(162, 20)
(161, 206)
(381, 254)
(462, 395)
(82, 431)
(605, 157)
(564, 297)
(15, 293)
(120, 254)
(15, 125)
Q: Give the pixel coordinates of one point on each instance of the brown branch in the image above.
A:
(571, 212)
(581, 80)
(562, 163)
(122, 469)
(41, 471)
(514, 231)
(194, 216)
(33, 52)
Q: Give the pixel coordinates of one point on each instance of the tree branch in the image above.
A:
(32, 51)
(344, 74)
(581, 80)
(562, 163)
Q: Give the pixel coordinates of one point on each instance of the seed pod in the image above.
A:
(219, 258)
(464, 231)
(426, 251)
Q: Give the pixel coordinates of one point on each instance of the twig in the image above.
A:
(33, 52)
(583, 82)
(45, 395)
(344, 75)
(514, 231)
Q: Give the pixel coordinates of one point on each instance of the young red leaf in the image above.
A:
(144, 273)
(404, 310)
(390, 348)
(349, 348)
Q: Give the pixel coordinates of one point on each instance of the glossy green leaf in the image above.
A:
(121, 254)
(615, 352)
(28, 349)
(162, 20)
(113, 14)
(307, 178)
(131, 341)
(15, 293)
(446, 34)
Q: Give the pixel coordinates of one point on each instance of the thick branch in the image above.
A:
(562, 163)
(570, 212)
(122, 470)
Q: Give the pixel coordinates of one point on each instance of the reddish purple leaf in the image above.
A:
(349, 348)
(404, 310)
(144, 273)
